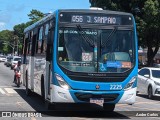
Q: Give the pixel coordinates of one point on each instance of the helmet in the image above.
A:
(19, 63)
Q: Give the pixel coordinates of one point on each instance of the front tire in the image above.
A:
(18, 82)
(150, 93)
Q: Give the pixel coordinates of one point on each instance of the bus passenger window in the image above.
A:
(44, 47)
(40, 40)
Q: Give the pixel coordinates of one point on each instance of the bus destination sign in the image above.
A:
(95, 19)
(108, 19)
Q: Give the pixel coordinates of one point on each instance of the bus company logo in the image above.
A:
(97, 87)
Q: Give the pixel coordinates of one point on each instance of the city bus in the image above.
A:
(82, 56)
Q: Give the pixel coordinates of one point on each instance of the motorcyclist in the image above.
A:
(16, 69)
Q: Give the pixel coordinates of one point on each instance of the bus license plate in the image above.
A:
(98, 101)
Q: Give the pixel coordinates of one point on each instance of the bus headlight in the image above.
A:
(61, 82)
(130, 84)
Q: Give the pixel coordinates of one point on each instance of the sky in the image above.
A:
(13, 12)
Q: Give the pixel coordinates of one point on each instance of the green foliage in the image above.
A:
(18, 29)
(35, 15)
(5, 49)
(6, 36)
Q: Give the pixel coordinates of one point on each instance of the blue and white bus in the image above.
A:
(82, 56)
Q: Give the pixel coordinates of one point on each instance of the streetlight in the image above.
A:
(11, 45)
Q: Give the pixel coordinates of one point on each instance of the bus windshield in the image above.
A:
(96, 50)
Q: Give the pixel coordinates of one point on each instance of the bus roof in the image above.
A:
(95, 11)
(51, 16)
(43, 20)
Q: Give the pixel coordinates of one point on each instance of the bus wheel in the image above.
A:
(42, 88)
(28, 91)
(108, 107)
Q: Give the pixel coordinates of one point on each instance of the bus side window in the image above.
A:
(34, 41)
(50, 39)
(29, 43)
(39, 41)
(44, 42)
(25, 47)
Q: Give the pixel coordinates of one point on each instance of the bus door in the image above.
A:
(49, 55)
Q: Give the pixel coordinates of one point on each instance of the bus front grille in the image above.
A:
(86, 96)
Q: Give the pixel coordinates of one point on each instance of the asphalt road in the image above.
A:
(14, 101)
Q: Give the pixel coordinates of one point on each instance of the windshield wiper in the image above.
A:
(108, 38)
(84, 36)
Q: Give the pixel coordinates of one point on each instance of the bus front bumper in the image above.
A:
(61, 95)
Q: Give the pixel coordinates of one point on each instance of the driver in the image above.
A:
(16, 68)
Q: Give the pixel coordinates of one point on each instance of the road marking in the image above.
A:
(10, 90)
(2, 91)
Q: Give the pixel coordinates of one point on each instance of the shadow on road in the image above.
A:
(69, 110)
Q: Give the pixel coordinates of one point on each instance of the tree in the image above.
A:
(6, 36)
(151, 30)
(147, 16)
(18, 29)
(35, 15)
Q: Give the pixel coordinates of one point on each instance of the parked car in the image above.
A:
(3, 58)
(156, 65)
(8, 62)
(15, 61)
(149, 81)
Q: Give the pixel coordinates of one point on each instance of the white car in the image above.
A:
(149, 81)
(15, 61)
(3, 59)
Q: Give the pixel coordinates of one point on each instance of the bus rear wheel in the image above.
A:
(108, 107)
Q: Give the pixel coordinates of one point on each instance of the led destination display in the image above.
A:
(105, 19)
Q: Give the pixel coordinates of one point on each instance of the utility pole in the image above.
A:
(16, 43)
(16, 46)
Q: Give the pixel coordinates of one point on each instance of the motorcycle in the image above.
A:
(18, 78)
